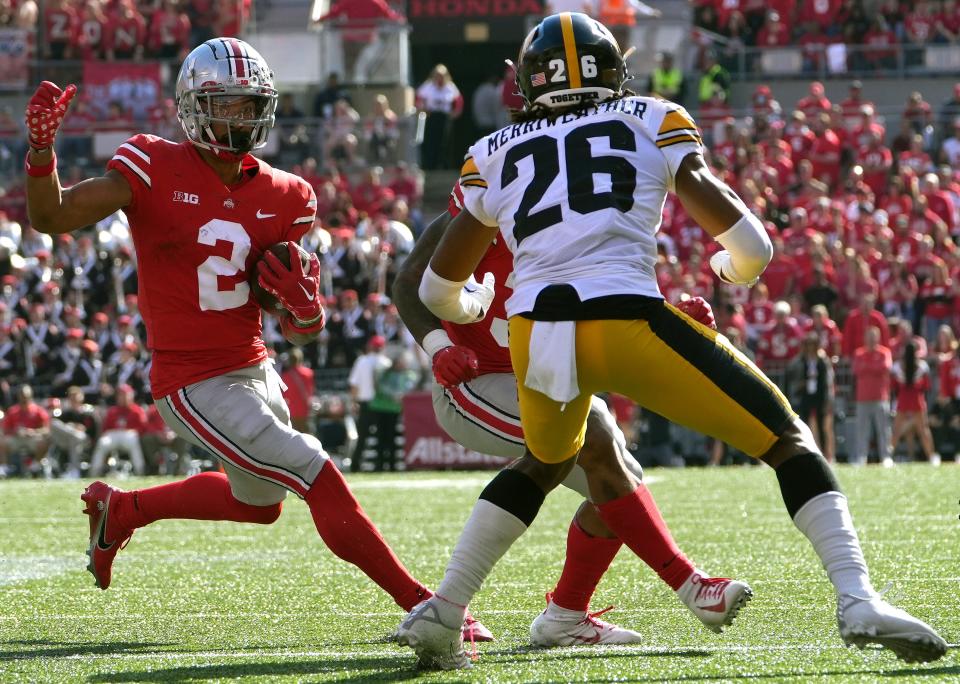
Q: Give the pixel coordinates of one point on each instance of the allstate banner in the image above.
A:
(428, 447)
(138, 87)
(14, 59)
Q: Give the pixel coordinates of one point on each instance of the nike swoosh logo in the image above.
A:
(101, 539)
(716, 607)
(261, 215)
(309, 295)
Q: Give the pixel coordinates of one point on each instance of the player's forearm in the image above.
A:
(417, 317)
(44, 194)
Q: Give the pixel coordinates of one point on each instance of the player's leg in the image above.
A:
(481, 415)
(605, 457)
(252, 432)
(689, 374)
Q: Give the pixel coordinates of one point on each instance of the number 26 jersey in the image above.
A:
(579, 198)
(197, 241)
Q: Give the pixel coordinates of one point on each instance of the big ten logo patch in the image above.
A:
(186, 197)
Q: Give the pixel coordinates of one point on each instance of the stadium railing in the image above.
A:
(840, 60)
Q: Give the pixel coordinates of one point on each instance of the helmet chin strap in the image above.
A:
(226, 155)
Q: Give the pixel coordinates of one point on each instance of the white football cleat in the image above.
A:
(438, 646)
(558, 626)
(871, 620)
(715, 601)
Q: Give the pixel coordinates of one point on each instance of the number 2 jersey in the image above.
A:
(197, 242)
(579, 198)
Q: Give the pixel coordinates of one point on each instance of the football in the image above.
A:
(267, 301)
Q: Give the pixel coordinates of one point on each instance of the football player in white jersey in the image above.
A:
(576, 187)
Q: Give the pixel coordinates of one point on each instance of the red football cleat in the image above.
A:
(106, 536)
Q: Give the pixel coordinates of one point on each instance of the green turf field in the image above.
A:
(196, 601)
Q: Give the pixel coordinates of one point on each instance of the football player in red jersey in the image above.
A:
(202, 213)
(475, 401)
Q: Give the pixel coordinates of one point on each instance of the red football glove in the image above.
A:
(455, 365)
(45, 112)
(699, 310)
(298, 292)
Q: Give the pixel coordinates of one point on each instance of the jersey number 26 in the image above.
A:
(581, 166)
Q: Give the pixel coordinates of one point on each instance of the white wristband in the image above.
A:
(749, 247)
(435, 340)
(447, 300)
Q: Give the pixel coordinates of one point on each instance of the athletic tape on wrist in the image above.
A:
(40, 171)
(435, 340)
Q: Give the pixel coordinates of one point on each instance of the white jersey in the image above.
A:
(579, 200)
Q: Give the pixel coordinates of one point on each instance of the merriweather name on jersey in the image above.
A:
(579, 198)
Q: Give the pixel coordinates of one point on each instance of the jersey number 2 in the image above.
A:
(581, 166)
(212, 298)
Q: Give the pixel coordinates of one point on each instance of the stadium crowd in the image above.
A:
(123, 29)
(857, 312)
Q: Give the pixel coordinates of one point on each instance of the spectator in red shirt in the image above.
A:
(169, 34)
(61, 25)
(938, 296)
(126, 33)
(869, 126)
(877, 162)
(814, 103)
(774, 32)
(826, 330)
(825, 153)
(89, 37)
(814, 43)
(299, 394)
(799, 136)
(26, 428)
(915, 158)
(911, 382)
(778, 345)
(947, 23)
(939, 201)
(918, 27)
(158, 439)
(871, 370)
(859, 321)
(880, 45)
(372, 196)
(899, 292)
(852, 107)
(121, 430)
(406, 185)
(823, 13)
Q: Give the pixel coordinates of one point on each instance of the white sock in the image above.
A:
(488, 534)
(826, 522)
(564, 614)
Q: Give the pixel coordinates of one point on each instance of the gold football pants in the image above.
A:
(667, 363)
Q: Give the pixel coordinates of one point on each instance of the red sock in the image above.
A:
(347, 530)
(636, 519)
(206, 496)
(587, 560)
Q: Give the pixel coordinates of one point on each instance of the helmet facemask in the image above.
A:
(243, 120)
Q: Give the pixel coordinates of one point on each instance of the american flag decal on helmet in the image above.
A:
(538, 79)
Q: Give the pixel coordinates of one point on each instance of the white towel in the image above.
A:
(553, 360)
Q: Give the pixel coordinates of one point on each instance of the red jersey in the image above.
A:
(130, 417)
(32, 418)
(488, 338)
(196, 242)
(124, 34)
(912, 398)
(168, 30)
(61, 25)
(950, 378)
(822, 12)
(779, 344)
